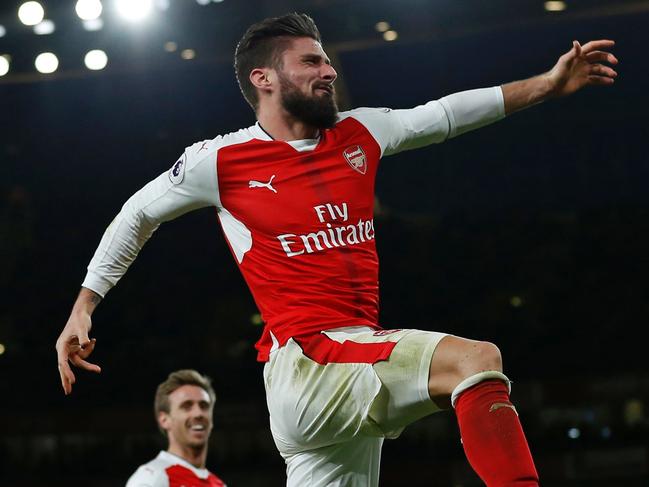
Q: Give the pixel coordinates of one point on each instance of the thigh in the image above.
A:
(312, 405)
(404, 396)
(355, 463)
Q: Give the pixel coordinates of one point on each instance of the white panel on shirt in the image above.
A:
(150, 474)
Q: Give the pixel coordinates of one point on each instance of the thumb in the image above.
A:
(84, 339)
(86, 351)
(577, 48)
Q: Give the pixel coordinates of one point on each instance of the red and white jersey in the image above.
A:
(169, 470)
(298, 215)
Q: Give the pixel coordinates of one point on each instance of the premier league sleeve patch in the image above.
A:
(177, 171)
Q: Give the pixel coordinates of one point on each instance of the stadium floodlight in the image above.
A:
(44, 28)
(134, 10)
(203, 2)
(2, 348)
(88, 9)
(390, 35)
(96, 59)
(31, 13)
(574, 433)
(46, 63)
(555, 6)
(382, 26)
(93, 25)
(4, 65)
(188, 54)
(3, 31)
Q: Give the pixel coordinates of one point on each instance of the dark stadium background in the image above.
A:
(532, 233)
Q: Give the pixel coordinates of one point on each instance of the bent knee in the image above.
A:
(478, 357)
(457, 359)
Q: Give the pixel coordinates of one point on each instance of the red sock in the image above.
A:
(493, 438)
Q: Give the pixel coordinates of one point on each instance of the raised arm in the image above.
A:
(189, 184)
(456, 114)
(581, 66)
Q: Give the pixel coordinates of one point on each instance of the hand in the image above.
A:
(582, 66)
(73, 345)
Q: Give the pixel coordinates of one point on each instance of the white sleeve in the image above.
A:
(189, 184)
(146, 476)
(434, 122)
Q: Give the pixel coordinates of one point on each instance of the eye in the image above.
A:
(185, 406)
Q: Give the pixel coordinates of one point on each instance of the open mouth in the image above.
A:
(328, 90)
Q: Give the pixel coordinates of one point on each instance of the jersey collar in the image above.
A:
(202, 473)
(302, 145)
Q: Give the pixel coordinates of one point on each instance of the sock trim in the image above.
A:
(476, 379)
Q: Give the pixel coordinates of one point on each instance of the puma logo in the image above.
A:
(268, 185)
(497, 405)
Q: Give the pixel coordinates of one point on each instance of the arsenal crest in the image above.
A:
(356, 158)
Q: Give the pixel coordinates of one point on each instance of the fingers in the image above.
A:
(601, 70)
(71, 350)
(601, 57)
(84, 340)
(79, 362)
(86, 351)
(597, 45)
(600, 80)
(78, 355)
(67, 377)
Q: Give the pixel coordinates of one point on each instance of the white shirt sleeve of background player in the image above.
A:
(434, 122)
(189, 184)
(146, 476)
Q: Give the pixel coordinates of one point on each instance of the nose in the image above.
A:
(329, 73)
(197, 412)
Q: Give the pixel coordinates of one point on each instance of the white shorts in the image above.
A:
(329, 420)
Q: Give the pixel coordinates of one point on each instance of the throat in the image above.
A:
(195, 455)
(288, 132)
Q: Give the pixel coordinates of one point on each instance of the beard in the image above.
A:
(317, 111)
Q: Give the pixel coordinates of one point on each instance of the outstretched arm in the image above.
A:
(456, 114)
(579, 67)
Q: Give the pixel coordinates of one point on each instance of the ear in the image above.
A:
(261, 78)
(164, 420)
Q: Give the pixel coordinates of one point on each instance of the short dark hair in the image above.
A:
(263, 44)
(176, 380)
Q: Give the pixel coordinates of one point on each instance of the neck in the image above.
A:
(194, 455)
(280, 125)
